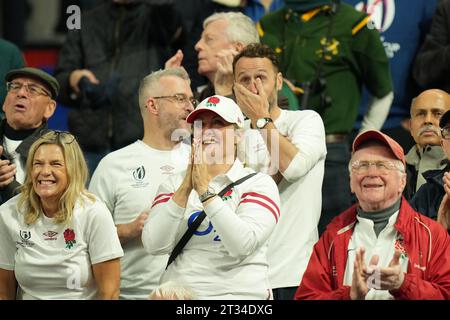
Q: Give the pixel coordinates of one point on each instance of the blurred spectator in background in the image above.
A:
(337, 55)
(427, 154)
(100, 66)
(402, 26)
(224, 35)
(30, 102)
(193, 13)
(432, 67)
(11, 58)
(256, 9)
(13, 16)
(429, 196)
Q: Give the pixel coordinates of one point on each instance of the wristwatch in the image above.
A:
(262, 122)
(207, 195)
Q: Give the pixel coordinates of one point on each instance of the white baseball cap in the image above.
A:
(225, 107)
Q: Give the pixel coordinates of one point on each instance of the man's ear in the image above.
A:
(279, 80)
(152, 107)
(49, 109)
(238, 46)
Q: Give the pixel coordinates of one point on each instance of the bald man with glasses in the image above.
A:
(29, 103)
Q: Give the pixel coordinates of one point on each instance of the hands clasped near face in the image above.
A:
(374, 276)
(197, 176)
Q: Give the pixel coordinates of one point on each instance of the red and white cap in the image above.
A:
(368, 135)
(224, 107)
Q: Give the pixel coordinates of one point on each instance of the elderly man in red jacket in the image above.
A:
(380, 248)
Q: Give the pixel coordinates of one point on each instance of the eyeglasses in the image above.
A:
(445, 133)
(383, 167)
(180, 98)
(32, 89)
(60, 136)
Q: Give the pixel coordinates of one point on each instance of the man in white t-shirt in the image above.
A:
(296, 143)
(127, 179)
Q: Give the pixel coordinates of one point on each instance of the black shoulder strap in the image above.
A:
(196, 223)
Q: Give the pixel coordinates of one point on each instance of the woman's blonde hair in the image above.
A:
(77, 174)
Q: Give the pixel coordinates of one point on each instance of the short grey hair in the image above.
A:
(150, 83)
(240, 27)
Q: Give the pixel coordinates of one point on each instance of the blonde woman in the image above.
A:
(57, 241)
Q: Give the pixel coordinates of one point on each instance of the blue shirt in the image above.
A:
(403, 26)
(255, 10)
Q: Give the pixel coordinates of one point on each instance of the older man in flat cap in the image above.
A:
(380, 248)
(29, 103)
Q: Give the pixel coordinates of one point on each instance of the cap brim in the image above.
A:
(194, 114)
(29, 74)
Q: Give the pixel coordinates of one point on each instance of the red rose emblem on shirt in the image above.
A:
(69, 238)
(227, 195)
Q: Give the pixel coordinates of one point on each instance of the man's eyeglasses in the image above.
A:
(445, 133)
(61, 136)
(383, 167)
(180, 98)
(32, 89)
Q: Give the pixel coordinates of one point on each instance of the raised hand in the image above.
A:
(200, 175)
(174, 61)
(389, 278)
(359, 287)
(223, 80)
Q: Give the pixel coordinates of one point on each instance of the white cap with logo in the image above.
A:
(225, 107)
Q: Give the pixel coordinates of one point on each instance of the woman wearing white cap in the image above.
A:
(225, 258)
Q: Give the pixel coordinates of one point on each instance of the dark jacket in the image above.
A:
(429, 196)
(411, 181)
(431, 67)
(13, 188)
(431, 156)
(120, 44)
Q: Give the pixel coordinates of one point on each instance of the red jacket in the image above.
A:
(424, 240)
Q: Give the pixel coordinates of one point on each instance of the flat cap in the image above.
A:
(49, 81)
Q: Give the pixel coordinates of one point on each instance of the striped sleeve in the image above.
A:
(245, 228)
(263, 201)
(161, 227)
(162, 198)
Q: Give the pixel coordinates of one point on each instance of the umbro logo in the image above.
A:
(50, 235)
